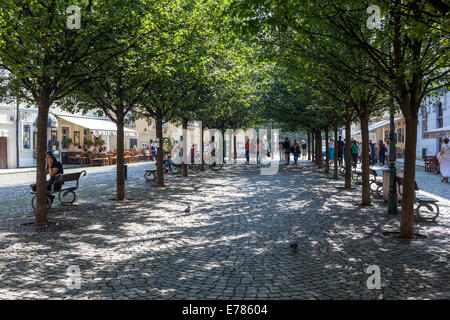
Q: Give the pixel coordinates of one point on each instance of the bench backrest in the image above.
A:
(62, 178)
(373, 172)
(400, 185)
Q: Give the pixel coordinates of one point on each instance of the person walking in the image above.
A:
(304, 150)
(340, 146)
(258, 159)
(247, 151)
(286, 150)
(295, 150)
(359, 152)
(386, 147)
(382, 152)
(331, 150)
(444, 159)
(280, 150)
(354, 151)
(372, 152)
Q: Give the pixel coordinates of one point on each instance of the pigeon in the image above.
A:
(294, 246)
(188, 209)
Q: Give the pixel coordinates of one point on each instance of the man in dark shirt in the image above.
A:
(54, 167)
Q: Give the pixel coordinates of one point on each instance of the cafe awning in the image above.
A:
(438, 133)
(99, 127)
(377, 125)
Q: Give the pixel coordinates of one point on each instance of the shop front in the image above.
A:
(76, 132)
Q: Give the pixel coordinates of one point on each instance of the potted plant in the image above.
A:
(88, 143)
(66, 142)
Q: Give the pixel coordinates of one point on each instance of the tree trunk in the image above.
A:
(234, 147)
(327, 157)
(313, 147)
(319, 157)
(159, 154)
(40, 214)
(185, 148)
(348, 155)
(409, 174)
(335, 172)
(202, 165)
(364, 118)
(309, 146)
(120, 175)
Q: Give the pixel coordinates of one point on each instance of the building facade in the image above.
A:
(8, 119)
(433, 126)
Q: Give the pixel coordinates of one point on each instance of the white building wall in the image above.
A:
(8, 130)
(432, 145)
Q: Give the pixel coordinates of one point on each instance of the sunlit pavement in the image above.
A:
(234, 244)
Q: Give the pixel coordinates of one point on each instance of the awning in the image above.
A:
(438, 133)
(99, 127)
(377, 125)
(52, 121)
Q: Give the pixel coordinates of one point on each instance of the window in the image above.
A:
(386, 135)
(54, 135)
(26, 137)
(440, 116)
(424, 121)
(191, 125)
(65, 137)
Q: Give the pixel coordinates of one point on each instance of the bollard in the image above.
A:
(125, 171)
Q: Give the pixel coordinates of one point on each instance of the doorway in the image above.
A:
(3, 153)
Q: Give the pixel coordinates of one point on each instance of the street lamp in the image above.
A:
(392, 201)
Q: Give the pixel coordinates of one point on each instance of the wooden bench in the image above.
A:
(66, 195)
(421, 201)
(377, 181)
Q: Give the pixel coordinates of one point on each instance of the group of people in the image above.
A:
(378, 152)
(94, 149)
(296, 148)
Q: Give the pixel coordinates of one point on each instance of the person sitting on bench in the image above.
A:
(54, 167)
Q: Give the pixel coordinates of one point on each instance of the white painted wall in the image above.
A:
(432, 145)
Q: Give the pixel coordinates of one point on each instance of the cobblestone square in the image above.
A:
(234, 244)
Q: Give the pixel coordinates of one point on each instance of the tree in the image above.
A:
(44, 57)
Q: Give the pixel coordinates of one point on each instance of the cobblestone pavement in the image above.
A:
(234, 244)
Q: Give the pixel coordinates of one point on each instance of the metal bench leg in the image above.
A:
(68, 197)
(430, 208)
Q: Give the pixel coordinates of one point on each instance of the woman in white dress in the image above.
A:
(445, 160)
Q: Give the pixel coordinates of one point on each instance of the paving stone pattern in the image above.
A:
(234, 244)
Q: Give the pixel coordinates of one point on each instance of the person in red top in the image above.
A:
(247, 151)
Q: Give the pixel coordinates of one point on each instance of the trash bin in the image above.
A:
(125, 171)
(386, 184)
